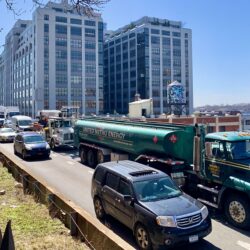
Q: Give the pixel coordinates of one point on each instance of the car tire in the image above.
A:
(237, 210)
(83, 155)
(91, 158)
(99, 210)
(24, 154)
(142, 237)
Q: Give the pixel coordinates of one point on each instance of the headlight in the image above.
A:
(204, 212)
(166, 221)
(28, 147)
(47, 146)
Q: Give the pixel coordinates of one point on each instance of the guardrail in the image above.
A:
(81, 224)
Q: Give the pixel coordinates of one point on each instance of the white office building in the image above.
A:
(54, 60)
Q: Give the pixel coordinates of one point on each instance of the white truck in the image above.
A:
(59, 132)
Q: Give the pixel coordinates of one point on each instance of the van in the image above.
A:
(21, 123)
(148, 202)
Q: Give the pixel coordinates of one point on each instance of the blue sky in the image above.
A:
(221, 40)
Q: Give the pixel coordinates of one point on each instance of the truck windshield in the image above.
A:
(64, 124)
(156, 189)
(239, 150)
(24, 123)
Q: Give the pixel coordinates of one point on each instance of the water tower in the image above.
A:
(176, 98)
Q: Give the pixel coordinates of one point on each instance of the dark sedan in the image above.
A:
(31, 144)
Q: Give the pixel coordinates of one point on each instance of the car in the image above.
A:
(7, 134)
(31, 144)
(7, 124)
(148, 202)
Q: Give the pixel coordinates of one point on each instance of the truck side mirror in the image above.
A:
(208, 147)
(129, 199)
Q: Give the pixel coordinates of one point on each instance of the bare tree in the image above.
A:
(86, 7)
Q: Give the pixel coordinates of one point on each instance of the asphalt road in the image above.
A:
(66, 174)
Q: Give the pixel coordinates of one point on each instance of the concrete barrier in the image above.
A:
(81, 223)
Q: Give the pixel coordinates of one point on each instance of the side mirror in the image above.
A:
(129, 199)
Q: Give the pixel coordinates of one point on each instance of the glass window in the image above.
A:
(155, 31)
(61, 29)
(46, 27)
(99, 174)
(89, 23)
(131, 35)
(176, 42)
(156, 189)
(155, 40)
(75, 21)
(76, 43)
(46, 17)
(165, 33)
(76, 31)
(165, 41)
(76, 55)
(61, 54)
(112, 180)
(124, 188)
(89, 32)
(176, 34)
(61, 19)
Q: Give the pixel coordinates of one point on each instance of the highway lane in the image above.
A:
(66, 174)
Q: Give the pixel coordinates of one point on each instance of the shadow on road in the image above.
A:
(126, 234)
(219, 217)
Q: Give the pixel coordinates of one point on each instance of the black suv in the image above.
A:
(147, 201)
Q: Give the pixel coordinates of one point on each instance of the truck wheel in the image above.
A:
(142, 237)
(91, 158)
(237, 211)
(100, 157)
(83, 155)
(52, 144)
(99, 210)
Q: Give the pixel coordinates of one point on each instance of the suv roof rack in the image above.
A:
(143, 172)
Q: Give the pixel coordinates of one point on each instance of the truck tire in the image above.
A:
(52, 144)
(237, 211)
(83, 155)
(91, 158)
(142, 237)
(100, 157)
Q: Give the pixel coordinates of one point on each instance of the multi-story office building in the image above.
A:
(54, 60)
(145, 57)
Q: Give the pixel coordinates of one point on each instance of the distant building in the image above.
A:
(54, 60)
(145, 57)
(245, 121)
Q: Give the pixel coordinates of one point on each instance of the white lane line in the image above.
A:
(91, 171)
(243, 244)
(70, 162)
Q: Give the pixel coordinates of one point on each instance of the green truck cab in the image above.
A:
(226, 175)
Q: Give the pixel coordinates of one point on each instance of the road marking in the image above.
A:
(243, 244)
(91, 171)
(70, 162)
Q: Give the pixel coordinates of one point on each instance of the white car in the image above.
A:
(7, 135)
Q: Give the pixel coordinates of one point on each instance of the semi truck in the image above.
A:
(215, 167)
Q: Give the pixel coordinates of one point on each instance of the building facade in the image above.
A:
(55, 60)
(145, 57)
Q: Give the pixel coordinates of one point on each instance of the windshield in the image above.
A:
(63, 124)
(24, 122)
(6, 130)
(33, 139)
(156, 189)
(239, 150)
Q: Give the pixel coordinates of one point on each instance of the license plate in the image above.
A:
(193, 238)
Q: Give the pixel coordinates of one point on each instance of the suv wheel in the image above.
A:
(142, 237)
(99, 210)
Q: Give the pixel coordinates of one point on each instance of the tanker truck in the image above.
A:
(215, 168)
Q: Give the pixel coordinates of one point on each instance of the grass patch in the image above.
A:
(32, 226)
